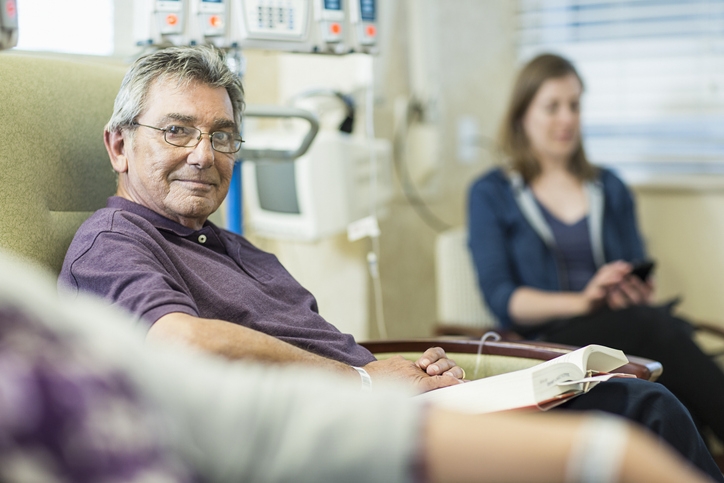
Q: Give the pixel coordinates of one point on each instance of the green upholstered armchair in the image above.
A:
(55, 172)
(54, 169)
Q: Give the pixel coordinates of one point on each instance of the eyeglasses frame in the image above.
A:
(198, 140)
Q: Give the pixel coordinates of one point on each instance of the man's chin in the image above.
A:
(197, 207)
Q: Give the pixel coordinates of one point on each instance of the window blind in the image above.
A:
(653, 72)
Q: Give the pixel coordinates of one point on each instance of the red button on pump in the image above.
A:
(10, 8)
(171, 19)
(216, 21)
(335, 28)
(371, 31)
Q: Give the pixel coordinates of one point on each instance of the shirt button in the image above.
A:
(202, 238)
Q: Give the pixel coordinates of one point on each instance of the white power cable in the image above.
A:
(374, 256)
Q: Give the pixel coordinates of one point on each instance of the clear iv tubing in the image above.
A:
(374, 256)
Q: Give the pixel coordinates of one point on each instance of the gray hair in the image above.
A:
(186, 65)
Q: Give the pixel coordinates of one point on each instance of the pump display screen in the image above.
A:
(368, 10)
(333, 4)
(277, 187)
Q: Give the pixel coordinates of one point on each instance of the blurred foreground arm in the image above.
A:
(540, 448)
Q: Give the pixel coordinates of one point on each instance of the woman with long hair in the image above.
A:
(554, 241)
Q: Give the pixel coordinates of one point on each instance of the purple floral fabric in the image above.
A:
(66, 415)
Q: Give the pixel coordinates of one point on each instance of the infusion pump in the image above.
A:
(320, 26)
(8, 24)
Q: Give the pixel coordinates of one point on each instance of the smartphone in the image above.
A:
(643, 269)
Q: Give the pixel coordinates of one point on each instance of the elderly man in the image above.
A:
(172, 139)
(152, 250)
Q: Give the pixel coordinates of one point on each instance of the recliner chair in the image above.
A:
(54, 169)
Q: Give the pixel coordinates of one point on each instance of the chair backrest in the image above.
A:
(459, 301)
(54, 170)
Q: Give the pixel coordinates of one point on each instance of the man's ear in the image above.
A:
(116, 147)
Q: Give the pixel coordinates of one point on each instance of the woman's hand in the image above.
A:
(630, 291)
(603, 282)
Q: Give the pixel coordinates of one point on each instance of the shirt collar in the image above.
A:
(157, 220)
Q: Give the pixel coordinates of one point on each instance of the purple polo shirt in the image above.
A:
(153, 266)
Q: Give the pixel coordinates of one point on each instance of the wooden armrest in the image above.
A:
(710, 328)
(543, 351)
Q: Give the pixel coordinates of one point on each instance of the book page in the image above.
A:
(551, 380)
(496, 393)
(517, 389)
(592, 357)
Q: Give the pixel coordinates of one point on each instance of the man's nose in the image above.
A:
(203, 155)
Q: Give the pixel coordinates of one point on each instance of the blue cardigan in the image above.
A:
(508, 253)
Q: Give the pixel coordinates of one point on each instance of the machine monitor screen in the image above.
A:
(368, 10)
(277, 187)
(333, 4)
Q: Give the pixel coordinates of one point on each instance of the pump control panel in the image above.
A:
(269, 19)
(210, 20)
(170, 16)
(363, 29)
(331, 19)
(8, 24)
(160, 22)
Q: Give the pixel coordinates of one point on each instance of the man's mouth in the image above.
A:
(195, 183)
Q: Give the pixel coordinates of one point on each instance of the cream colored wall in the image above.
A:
(457, 59)
(471, 67)
(684, 231)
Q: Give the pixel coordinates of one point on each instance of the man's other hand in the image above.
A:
(397, 369)
(436, 363)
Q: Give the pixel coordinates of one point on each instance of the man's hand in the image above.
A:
(435, 363)
(397, 369)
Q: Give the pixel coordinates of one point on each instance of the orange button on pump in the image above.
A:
(171, 19)
(216, 21)
(371, 31)
(10, 8)
(335, 28)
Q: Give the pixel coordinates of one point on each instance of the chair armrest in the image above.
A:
(542, 351)
(710, 328)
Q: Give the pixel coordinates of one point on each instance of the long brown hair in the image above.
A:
(512, 139)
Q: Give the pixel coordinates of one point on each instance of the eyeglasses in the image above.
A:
(190, 137)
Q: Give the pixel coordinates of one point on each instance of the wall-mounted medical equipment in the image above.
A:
(317, 194)
(160, 22)
(315, 26)
(363, 26)
(8, 24)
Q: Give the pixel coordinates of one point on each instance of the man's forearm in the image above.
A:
(237, 342)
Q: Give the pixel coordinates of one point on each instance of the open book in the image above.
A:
(539, 387)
